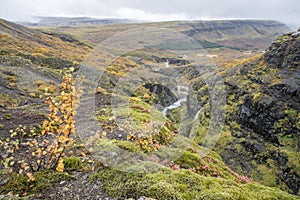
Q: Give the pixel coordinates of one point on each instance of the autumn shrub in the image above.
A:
(150, 137)
(29, 150)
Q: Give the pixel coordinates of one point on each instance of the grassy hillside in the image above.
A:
(30, 63)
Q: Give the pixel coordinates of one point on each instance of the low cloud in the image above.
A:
(154, 10)
(131, 13)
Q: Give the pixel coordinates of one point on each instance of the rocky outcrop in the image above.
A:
(263, 116)
(284, 52)
(164, 94)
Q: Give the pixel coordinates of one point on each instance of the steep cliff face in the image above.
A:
(234, 28)
(263, 116)
(244, 34)
(281, 95)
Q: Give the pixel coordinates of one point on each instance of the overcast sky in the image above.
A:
(154, 10)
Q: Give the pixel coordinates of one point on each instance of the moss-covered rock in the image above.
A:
(181, 184)
(261, 137)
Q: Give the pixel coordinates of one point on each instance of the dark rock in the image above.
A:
(164, 94)
(266, 117)
(291, 179)
(245, 110)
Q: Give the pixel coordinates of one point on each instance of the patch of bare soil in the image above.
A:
(79, 188)
(12, 118)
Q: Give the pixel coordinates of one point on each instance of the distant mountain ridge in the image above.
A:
(233, 34)
(74, 21)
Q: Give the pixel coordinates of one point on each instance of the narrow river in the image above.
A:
(183, 91)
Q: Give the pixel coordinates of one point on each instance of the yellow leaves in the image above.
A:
(51, 107)
(61, 149)
(63, 93)
(74, 112)
(60, 166)
(39, 152)
(23, 165)
(30, 176)
(101, 90)
(63, 139)
(45, 142)
(73, 131)
(70, 153)
(70, 120)
(63, 85)
(44, 153)
(82, 153)
(56, 138)
(66, 132)
(146, 96)
(69, 109)
(13, 134)
(104, 133)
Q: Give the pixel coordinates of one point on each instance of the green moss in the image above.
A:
(239, 147)
(175, 115)
(140, 112)
(188, 160)
(181, 184)
(145, 95)
(128, 145)
(19, 184)
(168, 153)
(201, 134)
(293, 161)
(47, 178)
(206, 164)
(257, 96)
(73, 163)
(268, 175)
(224, 138)
(1, 126)
(8, 116)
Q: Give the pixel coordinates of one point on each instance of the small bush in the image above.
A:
(29, 150)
